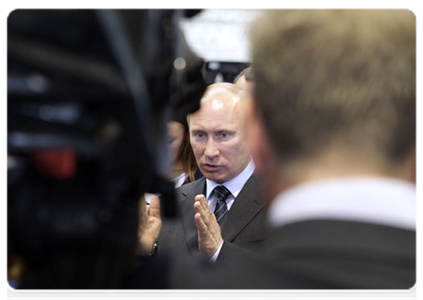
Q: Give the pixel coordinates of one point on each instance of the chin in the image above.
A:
(217, 179)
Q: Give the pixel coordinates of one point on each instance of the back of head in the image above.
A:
(337, 79)
(247, 73)
(245, 80)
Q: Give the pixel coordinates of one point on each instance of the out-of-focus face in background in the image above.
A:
(217, 136)
(175, 135)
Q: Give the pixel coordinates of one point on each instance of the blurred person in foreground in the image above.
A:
(333, 135)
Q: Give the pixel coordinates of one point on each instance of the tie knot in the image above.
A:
(221, 193)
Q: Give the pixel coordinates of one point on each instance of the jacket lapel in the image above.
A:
(246, 206)
(186, 205)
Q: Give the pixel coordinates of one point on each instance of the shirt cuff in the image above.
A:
(216, 254)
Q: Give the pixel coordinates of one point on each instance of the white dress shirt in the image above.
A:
(235, 186)
(377, 200)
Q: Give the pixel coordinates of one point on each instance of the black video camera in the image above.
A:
(89, 96)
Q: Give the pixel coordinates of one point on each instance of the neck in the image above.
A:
(333, 166)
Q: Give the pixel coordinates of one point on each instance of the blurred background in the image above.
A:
(221, 38)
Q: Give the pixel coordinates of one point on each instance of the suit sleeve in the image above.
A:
(230, 250)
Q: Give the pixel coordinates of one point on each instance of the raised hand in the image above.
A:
(149, 226)
(209, 234)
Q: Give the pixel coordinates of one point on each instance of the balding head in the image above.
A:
(236, 92)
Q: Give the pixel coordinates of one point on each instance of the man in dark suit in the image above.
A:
(332, 133)
(219, 143)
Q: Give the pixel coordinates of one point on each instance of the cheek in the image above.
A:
(232, 152)
(173, 151)
(178, 144)
(174, 148)
(197, 149)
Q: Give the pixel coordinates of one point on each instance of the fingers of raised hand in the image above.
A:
(201, 226)
(201, 204)
(154, 209)
(197, 207)
(201, 199)
(204, 206)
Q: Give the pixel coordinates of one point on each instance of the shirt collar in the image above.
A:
(234, 185)
(179, 180)
(383, 201)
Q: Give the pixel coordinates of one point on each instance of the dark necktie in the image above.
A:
(221, 209)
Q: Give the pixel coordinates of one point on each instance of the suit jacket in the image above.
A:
(315, 254)
(244, 227)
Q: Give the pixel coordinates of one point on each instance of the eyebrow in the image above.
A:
(225, 130)
(218, 130)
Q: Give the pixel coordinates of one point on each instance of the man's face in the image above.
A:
(217, 137)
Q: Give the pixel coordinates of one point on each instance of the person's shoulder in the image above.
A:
(253, 187)
(254, 180)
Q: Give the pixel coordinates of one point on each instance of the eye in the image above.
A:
(224, 135)
(199, 135)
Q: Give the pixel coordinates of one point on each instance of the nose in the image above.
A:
(211, 150)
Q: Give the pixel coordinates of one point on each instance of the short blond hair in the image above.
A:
(336, 76)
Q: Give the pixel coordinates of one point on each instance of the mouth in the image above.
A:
(211, 168)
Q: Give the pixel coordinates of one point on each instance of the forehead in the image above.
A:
(217, 109)
(175, 128)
